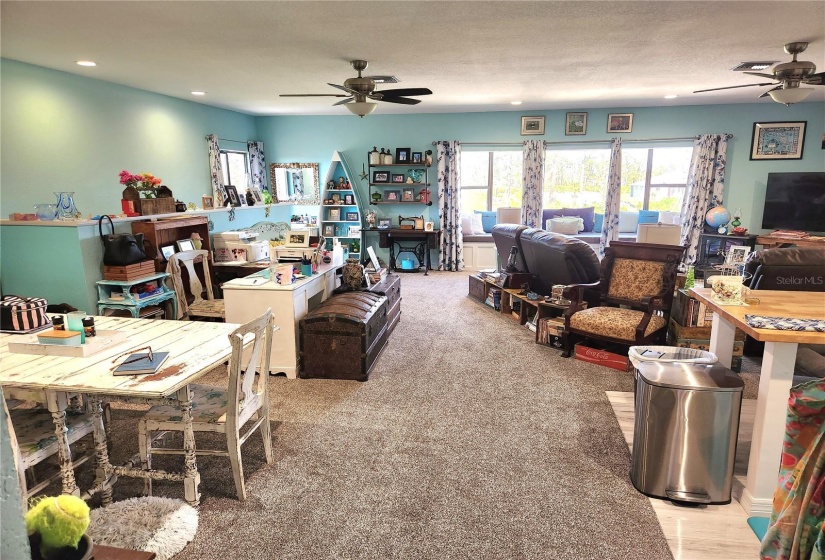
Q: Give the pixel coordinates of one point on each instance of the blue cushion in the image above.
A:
(598, 222)
(648, 216)
(488, 220)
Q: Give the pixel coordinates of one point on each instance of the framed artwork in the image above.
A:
(349, 200)
(418, 223)
(296, 238)
(417, 157)
(256, 194)
(384, 223)
(232, 194)
(737, 255)
(402, 155)
(620, 122)
(186, 245)
(380, 176)
(313, 221)
(329, 230)
(575, 124)
(392, 196)
(207, 202)
(169, 250)
(778, 140)
(398, 178)
(407, 195)
(532, 125)
(334, 214)
(352, 217)
(428, 226)
(354, 231)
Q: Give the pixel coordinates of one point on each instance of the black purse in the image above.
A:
(121, 249)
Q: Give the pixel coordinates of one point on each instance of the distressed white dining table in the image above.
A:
(194, 349)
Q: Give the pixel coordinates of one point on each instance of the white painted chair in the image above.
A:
(200, 307)
(215, 409)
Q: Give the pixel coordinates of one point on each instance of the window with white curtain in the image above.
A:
(490, 180)
(575, 178)
(235, 167)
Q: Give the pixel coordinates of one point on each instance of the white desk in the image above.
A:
(247, 298)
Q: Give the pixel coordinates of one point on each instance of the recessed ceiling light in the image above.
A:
(86, 63)
(671, 96)
(198, 93)
(515, 103)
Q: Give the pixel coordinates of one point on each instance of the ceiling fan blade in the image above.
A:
(761, 75)
(400, 100)
(734, 87)
(313, 95)
(767, 93)
(343, 101)
(344, 88)
(815, 79)
(404, 91)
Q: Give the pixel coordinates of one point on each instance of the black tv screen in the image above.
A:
(795, 201)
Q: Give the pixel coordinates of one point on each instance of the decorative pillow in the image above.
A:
(673, 218)
(586, 214)
(648, 216)
(551, 213)
(628, 222)
(488, 220)
(598, 222)
(466, 225)
(476, 225)
(566, 225)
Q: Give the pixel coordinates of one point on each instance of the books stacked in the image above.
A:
(690, 312)
(494, 298)
(550, 331)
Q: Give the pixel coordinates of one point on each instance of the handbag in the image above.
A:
(121, 249)
(22, 314)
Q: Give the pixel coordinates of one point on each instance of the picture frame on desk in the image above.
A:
(349, 200)
(402, 155)
(232, 195)
(392, 196)
(185, 245)
(297, 238)
(428, 226)
(384, 223)
(167, 251)
(207, 202)
(380, 176)
(398, 178)
(329, 230)
(407, 195)
(417, 157)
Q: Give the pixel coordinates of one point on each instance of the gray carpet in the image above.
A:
(468, 441)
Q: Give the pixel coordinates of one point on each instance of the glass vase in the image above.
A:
(66, 210)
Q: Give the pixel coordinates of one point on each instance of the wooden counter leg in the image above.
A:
(57, 403)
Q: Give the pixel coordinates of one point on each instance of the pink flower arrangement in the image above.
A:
(142, 181)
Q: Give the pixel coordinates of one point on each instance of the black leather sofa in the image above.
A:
(788, 268)
(551, 258)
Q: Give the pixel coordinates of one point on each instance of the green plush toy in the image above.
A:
(61, 522)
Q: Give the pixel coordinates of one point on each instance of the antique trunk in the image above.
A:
(390, 286)
(477, 288)
(342, 337)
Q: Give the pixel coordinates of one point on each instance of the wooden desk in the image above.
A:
(195, 348)
(767, 241)
(426, 240)
(247, 298)
(775, 379)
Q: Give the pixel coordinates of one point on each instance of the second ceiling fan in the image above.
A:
(359, 89)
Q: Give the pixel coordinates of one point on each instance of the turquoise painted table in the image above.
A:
(117, 294)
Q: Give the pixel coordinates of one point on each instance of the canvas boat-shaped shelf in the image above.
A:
(104, 340)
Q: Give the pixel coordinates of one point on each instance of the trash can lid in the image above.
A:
(694, 377)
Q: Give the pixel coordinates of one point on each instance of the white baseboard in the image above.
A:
(754, 506)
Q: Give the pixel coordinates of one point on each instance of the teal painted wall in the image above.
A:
(63, 132)
(14, 541)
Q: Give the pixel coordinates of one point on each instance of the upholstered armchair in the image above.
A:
(639, 277)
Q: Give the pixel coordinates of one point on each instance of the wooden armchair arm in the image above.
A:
(575, 293)
(652, 304)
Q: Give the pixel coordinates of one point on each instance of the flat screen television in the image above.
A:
(795, 201)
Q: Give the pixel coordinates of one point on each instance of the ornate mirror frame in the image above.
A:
(296, 183)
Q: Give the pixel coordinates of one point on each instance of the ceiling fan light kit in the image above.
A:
(361, 108)
(791, 95)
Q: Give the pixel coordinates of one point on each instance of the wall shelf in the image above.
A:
(340, 228)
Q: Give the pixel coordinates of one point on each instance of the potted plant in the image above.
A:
(57, 529)
(148, 195)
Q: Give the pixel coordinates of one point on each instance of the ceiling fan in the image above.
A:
(789, 75)
(359, 89)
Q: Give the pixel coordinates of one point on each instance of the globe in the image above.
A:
(717, 217)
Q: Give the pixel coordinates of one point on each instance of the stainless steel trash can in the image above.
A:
(684, 438)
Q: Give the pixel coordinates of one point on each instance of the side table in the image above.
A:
(125, 300)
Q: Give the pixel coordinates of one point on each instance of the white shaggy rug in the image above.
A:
(160, 525)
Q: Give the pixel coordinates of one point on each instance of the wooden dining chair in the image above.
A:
(215, 409)
(199, 307)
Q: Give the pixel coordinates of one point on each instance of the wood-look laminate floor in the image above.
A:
(705, 532)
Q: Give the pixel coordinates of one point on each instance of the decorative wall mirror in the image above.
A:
(295, 182)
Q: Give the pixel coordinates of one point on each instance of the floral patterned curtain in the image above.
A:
(257, 165)
(532, 181)
(610, 229)
(705, 187)
(215, 171)
(450, 251)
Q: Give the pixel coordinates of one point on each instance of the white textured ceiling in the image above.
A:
(474, 56)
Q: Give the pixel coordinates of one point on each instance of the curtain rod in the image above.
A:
(727, 135)
(229, 140)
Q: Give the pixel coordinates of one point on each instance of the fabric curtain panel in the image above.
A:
(612, 203)
(532, 182)
(451, 247)
(705, 188)
(215, 171)
(257, 166)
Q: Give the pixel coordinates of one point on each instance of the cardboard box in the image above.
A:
(602, 358)
(676, 331)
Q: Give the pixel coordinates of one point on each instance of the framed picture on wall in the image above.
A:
(575, 124)
(532, 125)
(778, 140)
(620, 122)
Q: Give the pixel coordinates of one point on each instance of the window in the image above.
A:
(235, 168)
(575, 178)
(490, 180)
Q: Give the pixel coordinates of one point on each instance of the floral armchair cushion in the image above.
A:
(614, 322)
(634, 279)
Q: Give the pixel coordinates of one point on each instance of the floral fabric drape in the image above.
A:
(451, 248)
(795, 528)
(612, 203)
(705, 187)
(257, 165)
(215, 171)
(532, 181)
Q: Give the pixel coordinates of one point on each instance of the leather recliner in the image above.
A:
(788, 268)
(553, 258)
(506, 236)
